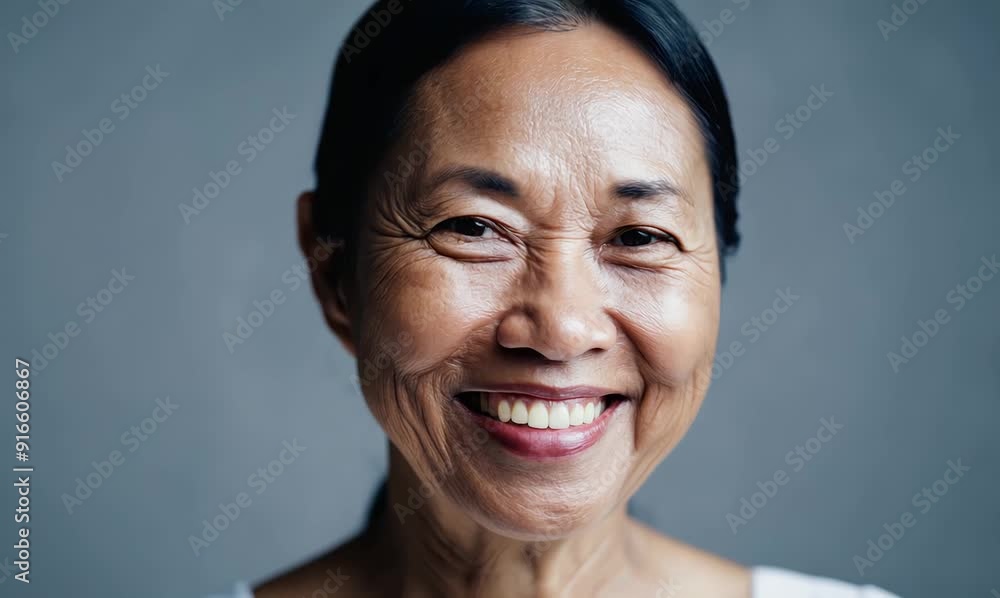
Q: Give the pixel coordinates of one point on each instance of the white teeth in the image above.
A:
(503, 410)
(519, 414)
(540, 414)
(558, 417)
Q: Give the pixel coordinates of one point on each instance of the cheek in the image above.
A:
(423, 317)
(443, 307)
(673, 327)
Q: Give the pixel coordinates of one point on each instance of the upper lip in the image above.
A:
(551, 393)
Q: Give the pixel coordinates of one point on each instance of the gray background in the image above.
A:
(162, 336)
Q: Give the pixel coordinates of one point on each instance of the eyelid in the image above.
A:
(660, 234)
(505, 233)
(497, 229)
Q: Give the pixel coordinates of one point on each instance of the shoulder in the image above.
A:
(326, 575)
(699, 573)
(771, 582)
(683, 570)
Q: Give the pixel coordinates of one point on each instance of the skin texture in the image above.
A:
(553, 290)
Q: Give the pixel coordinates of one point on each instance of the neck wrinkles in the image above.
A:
(439, 551)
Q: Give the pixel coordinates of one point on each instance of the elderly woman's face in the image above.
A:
(537, 293)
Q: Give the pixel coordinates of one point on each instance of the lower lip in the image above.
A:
(533, 443)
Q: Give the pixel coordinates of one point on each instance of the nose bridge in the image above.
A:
(563, 314)
(566, 279)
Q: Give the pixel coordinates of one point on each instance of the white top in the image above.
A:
(768, 582)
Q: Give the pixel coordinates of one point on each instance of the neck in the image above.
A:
(437, 550)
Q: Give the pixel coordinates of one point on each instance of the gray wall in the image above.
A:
(162, 335)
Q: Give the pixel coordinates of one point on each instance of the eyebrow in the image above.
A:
(658, 188)
(479, 179)
(482, 179)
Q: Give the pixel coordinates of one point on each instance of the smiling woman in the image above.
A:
(537, 196)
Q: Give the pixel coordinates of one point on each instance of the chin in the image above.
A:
(534, 484)
(541, 514)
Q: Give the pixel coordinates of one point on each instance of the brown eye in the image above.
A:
(637, 237)
(466, 226)
(470, 238)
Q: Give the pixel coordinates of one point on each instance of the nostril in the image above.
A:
(559, 331)
(526, 355)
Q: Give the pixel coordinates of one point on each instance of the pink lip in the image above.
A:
(549, 393)
(535, 444)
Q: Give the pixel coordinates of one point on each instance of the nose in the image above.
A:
(562, 312)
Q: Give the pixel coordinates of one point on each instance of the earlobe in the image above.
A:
(304, 222)
(340, 324)
(327, 278)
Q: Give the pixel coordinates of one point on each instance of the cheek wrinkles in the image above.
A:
(663, 417)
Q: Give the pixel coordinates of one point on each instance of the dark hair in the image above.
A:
(397, 42)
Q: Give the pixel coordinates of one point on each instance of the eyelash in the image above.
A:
(655, 234)
(444, 224)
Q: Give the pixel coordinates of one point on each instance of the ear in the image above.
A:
(329, 276)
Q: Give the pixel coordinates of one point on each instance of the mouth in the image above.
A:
(541, 427)
(541, 414)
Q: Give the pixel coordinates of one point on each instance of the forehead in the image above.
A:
(586, 102)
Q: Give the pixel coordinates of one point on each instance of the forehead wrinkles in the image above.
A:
(467, 102)
(565, 130)
(581, 101)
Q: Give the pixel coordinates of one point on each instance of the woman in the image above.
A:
(532, 201)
